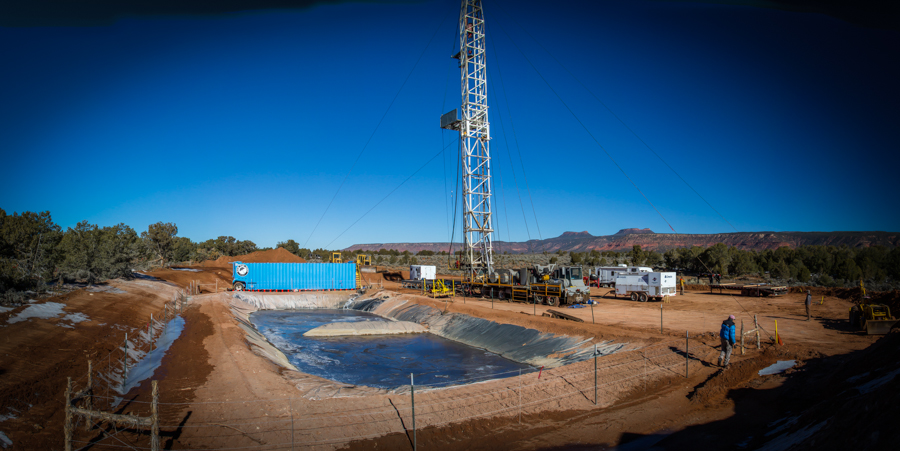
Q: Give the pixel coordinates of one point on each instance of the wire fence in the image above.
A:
(300, 423)
(112, 370)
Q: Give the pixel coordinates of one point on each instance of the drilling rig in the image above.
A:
(540, 285)
(471, 121)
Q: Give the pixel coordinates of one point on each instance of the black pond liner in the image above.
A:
(381, 361)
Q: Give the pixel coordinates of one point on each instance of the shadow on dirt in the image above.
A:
(176, 434)
(841, 402)
(840, 325)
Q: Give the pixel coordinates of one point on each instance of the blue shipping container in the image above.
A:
(293, 276)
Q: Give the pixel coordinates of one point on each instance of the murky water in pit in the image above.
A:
(382, 361)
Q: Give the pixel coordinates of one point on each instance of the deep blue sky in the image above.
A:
(245, 124)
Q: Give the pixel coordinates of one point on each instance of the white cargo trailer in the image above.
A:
(605, 276)
(643, 285)
(420, 272)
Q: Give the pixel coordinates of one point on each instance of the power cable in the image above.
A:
(455, 198)
(503, 200)
(621, 121)
(444, 161)
(495, 214)
(586, 128)
(709, 271)
(444, 156)
(607, 153)
(388, 195)
(516, 141)
(375, 130)
(515, 179)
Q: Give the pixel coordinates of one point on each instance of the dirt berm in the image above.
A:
(277, 255)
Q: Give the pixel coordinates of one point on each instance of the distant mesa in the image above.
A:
(633, 231)
(576, 234)
(626, 239)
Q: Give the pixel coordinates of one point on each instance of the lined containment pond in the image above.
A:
(382, 361)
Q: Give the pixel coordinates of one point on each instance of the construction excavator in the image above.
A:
(876, 319)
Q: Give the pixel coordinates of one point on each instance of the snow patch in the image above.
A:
(778, 367)
(875, 383)
(788, 421)
(39, 311)
(11, 415)
(857, 377)
(5, 442)
(148, 363)
(47, 311)
(76, 318)
(787, 441)
(105, 289)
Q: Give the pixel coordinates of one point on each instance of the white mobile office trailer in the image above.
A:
(419, 272)
(642, 285)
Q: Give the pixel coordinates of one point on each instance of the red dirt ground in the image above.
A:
(217, 393)
(37, 355)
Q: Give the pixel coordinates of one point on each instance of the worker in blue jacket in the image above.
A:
(726, 334)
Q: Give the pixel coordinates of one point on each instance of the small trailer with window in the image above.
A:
(419, 272)
(643, 285)
(605, 276)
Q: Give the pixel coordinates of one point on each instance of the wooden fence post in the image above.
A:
(412, 396)
(90, 395)
(520, 395)
(154, 418)
(67, 426)
(595, 374)
(291, 410)
(742, 336)
(687, 354)
(756, 325)
(125, 362)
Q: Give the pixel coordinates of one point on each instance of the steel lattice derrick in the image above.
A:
(475, 138)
